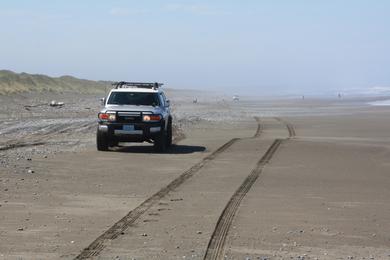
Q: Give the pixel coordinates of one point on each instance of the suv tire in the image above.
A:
(160, 142)
(101, 141)
(169, 133)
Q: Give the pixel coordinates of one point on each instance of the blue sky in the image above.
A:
(267, 46)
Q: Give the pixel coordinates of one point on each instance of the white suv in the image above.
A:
(135, 112)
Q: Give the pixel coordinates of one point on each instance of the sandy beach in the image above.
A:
(254, 179)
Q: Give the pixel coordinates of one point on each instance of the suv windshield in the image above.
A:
(134, 98)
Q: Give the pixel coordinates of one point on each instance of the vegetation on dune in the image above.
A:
(11, 82)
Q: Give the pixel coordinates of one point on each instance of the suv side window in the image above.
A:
(163, 99)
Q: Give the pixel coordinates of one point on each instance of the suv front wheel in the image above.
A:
(102, 141)
(160, 142)
(169, 134)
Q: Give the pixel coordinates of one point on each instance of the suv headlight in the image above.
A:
(108, 116)
(151, 118)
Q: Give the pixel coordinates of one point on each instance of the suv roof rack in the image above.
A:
(124, 84)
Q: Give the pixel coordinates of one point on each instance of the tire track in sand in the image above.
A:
(290, 127)
(96, 247)
(216, 246)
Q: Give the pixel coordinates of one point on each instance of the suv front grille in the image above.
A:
(129, 117)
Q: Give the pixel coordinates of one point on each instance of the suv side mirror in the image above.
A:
(167, 103)
(103, 101)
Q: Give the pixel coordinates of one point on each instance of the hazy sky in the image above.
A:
(273, 46)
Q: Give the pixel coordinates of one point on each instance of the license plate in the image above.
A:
(128, 128)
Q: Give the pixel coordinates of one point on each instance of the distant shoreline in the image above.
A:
(380, 103)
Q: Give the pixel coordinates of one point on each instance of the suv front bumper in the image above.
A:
(136, 132)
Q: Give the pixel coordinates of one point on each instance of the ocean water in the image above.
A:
(380, 103)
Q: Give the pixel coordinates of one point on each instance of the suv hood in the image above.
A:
(154, 110)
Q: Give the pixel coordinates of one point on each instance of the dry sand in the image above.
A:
(324, 194)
